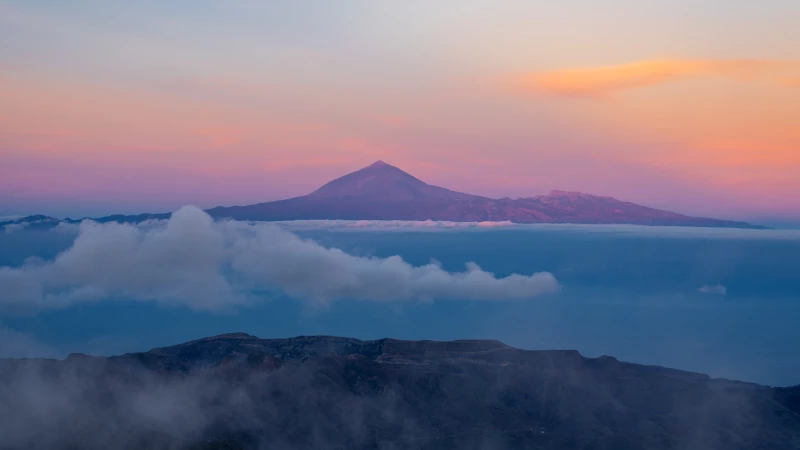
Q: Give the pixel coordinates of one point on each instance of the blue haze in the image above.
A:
(631, 296)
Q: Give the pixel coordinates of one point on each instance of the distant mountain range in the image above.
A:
(384, 192)
(236, 392)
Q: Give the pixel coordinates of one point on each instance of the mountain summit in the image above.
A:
(382, 182)
(381, 191)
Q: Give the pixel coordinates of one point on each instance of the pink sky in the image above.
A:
(153, 107)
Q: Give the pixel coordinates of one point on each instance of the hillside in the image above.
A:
(237, 391)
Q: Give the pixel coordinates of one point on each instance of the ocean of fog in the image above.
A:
(721, 302)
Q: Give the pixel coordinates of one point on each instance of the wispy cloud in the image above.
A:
(717, 289)
(196, 262)
(596, 81)
(12, 227)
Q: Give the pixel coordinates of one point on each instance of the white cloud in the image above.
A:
(618, 230)
(626, 230)
(496, 224)
(389, 225)
(66, 228)
(12, 227)
(193, 261)
(716, 289)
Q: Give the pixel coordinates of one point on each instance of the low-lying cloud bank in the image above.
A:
(193, 261)
(389, 225)
(617, 230)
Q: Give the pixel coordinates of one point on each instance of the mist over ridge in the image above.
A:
(236, 391)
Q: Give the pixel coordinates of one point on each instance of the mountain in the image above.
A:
(381, 182)
(237, 391)
(384, 192)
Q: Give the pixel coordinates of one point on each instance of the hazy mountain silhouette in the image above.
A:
(383, 192)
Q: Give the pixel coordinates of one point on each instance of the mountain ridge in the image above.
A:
(381, 191)
(237, 391)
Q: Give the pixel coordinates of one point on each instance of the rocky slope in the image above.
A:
(239, 392)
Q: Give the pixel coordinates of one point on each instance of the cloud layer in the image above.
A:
(390, 225)
(593, 81)
(12, 227)
(615, 229)
(193, 261)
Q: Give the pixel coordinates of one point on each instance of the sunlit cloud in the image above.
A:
(596, 81)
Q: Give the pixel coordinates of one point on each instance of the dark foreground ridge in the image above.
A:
(237, 391)
(384, 192)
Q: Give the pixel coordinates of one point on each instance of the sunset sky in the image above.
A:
(123, 107)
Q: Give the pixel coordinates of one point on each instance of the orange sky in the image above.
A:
(154, 107)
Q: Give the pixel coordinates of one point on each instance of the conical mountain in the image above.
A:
(383, 182)
(381, 191)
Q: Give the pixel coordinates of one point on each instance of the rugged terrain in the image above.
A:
(384, 192)
(237, 391)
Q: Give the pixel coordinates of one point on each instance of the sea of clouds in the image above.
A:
(203, 264)
(618, 230)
